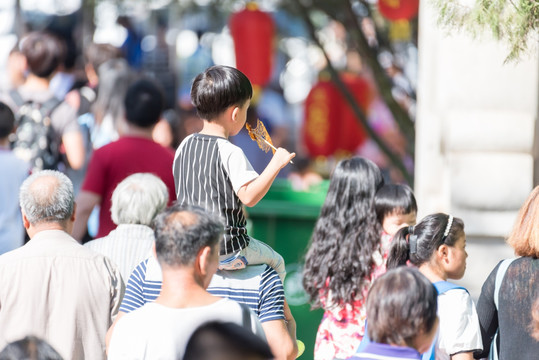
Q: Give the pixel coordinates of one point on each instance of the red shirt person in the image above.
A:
(134, 152)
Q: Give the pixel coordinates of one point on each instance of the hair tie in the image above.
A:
(412, 240)
(448, 227)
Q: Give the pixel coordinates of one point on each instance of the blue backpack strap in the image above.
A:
(441, 287)
(444, 286)
(365, 341)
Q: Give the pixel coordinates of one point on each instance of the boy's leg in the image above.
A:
(259, 252)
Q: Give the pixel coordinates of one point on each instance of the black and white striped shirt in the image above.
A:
(208, 171)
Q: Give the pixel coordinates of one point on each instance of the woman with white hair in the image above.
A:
(135, 203)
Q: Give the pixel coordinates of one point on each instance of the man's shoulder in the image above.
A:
(54, 244)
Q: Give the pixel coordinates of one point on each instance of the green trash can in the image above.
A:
(285, 219)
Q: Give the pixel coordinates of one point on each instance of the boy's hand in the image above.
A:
(282, 157)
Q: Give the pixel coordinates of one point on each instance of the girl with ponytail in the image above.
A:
(437, 247)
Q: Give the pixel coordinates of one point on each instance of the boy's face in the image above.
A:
(393, 222)
(239, 117)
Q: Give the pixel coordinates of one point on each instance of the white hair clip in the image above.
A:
(448, 227)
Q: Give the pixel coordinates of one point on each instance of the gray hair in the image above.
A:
(47, 196)
(182, 231)
(138, 199)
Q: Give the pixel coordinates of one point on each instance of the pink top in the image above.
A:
(343, 326)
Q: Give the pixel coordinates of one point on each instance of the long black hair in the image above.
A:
(346, 234)
(418, 243)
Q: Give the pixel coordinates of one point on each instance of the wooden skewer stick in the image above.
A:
(273, 147)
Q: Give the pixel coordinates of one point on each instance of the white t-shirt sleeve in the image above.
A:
(236, 164)
(459, 323)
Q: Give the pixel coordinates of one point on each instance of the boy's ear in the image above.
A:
(235, 111)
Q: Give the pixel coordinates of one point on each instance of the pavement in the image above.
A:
(484, 253)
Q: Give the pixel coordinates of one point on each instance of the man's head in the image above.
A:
(144, 103)
(218, 88)
(138, 199)
(186, 236)
(47, 197)
(43, 52)
(7, 121)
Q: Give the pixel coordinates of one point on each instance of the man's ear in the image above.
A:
(74, 211)
(25, 221)
(203, 259)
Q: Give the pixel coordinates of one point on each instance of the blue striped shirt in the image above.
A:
(258, 286)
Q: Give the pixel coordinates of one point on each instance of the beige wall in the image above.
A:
(475, 129)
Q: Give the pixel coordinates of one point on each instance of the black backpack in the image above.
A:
(34, 139)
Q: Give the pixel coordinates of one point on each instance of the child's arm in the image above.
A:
(252, 192)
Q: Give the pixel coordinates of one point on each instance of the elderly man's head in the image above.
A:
(138, 199)
(47, 197)
(183, 232)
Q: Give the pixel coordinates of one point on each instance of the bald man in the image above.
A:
(53, 287)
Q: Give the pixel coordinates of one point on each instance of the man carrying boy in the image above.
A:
(187, 248)
(211, 172)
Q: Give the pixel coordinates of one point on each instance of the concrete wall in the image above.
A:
(475, 130)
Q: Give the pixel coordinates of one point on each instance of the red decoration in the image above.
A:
(330, 124)
(253, 31)
(398, 9)
(322, 115)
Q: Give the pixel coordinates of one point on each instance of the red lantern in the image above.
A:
(322, 113)
(330, 124)
(253, 31)
(398, 9)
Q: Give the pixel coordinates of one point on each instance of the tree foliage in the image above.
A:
(515, 22)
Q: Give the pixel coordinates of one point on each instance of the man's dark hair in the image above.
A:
(29, 348)
(44, 53)
(182, 231)
(395, 199)
(144, 103)
(218, 88)
(225, 338)
(7, 120)
(401, 304)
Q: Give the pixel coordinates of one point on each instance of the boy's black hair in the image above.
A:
(401, 304)
(7, 120)
(218, 88)
(394, 199)
(144, 103)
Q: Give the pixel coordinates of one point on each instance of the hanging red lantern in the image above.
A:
(398, 9)
(330, 124)
(253, 31)
(322, 112)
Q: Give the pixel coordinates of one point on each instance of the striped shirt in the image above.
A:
(126, 246)
(259, 287)
(208, 172)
